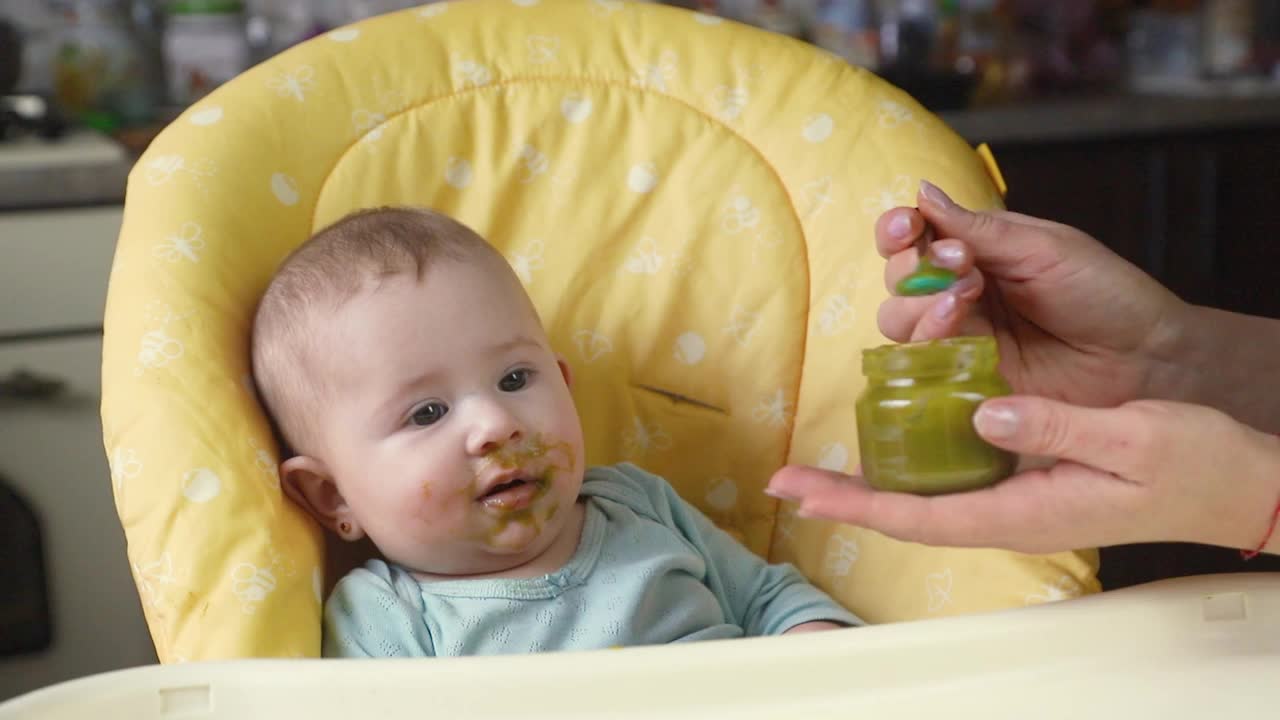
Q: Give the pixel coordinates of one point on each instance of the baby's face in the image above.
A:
(449, 428)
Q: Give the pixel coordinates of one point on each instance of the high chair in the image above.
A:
(690, 203)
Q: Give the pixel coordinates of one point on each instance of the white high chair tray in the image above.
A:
(1193, 647)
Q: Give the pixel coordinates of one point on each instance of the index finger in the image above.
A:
(1009, 514)
(897, 230)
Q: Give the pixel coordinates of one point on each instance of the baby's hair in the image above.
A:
(355, 253)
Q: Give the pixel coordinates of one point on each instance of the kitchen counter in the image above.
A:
(81, 168)
(1116, 117)
(86, 168)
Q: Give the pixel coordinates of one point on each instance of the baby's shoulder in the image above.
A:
(631, 486)
(376, 581)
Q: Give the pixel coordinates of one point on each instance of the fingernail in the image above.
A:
(996, 422)
(945, 307)
(964, 284)
(947, 255)
(899, 226)
(935, 196)
(778, 492)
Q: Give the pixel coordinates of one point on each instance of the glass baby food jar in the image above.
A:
(206, 43)
(915, 416)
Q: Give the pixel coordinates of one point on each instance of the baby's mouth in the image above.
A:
(504, 487)
(513, 494)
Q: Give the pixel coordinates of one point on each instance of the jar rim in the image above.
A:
(932, 357)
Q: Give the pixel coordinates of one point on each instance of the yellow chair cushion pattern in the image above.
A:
(690, 203)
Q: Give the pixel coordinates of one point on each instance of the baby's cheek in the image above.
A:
(439, 507)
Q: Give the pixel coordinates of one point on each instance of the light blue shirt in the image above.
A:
(649, 569)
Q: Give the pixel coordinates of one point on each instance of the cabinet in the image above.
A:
(53, 276)
(53, 269)
(1198, 211)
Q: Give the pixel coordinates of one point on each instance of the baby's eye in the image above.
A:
(429, 414)
(515, 380)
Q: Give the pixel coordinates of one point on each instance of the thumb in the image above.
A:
(1101, 438)
(1000, 246)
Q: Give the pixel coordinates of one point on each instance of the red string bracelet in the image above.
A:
(1271, 530)
(1275, 520)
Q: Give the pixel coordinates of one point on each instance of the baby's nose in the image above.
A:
(494, 428)
(488, 446)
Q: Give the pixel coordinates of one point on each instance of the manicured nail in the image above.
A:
(947, 255)
(996, 422)
(935, 196)
(899, 226)
(945, 307)
(964, 285)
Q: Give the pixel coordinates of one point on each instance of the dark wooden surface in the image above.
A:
(1200, 212)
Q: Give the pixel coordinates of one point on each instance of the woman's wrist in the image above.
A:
(1221, 359)
(1270, 542)
(1174, 354)
(1260, 501)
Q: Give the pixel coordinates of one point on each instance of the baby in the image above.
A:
(409, 374)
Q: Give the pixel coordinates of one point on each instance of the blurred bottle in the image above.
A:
(36, 25)
(850, 29)
(908, 30)
(277, 25)
(1163, 45)
(1226, 46)
(1267, 38)
(361, 9)
(102, 74)
(206, 43)
(773, 16)
(978, 40)
(983, 52)
(1070, 47)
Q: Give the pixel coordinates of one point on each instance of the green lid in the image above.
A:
(205, 7)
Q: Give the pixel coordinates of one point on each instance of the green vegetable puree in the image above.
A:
(915, 416)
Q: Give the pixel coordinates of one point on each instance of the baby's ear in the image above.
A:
(308, 482)
(564, 370)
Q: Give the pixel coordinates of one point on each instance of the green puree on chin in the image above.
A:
(915, 416)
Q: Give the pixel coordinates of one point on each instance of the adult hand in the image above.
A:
(1072, 319)
(1144, 471)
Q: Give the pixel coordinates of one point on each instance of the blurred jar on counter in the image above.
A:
(850, 29)
(206, 43)
(909, 35)
(1163, 46)
(981, 48)
(353, 10)
(1226, 47)
(277, 25)
(1070, 47)
(1267, 38)
(103, 75)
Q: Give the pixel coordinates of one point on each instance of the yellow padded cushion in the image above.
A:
(690, 203)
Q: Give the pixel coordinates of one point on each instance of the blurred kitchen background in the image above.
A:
(1153, 125)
